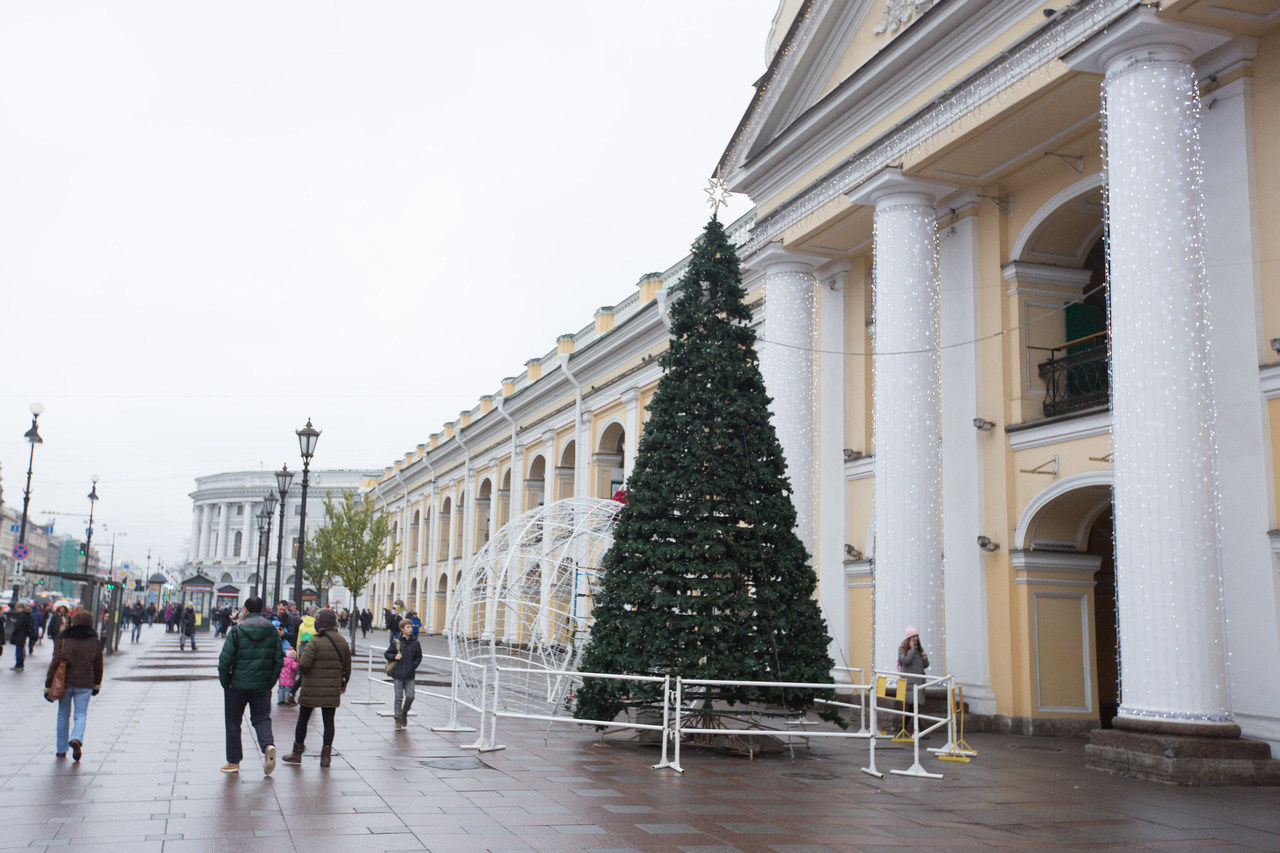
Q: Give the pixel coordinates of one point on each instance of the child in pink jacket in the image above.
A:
(288, 677)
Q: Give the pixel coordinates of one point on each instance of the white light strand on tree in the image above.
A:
(907, 430)
(1168, 581)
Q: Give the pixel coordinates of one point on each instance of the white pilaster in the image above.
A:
(224, 531)
(786, 363)
(829, 553)
(206, 521)
(193, 548)
(1168, 587)
(906, 426)
(631, 441)
(963, 446)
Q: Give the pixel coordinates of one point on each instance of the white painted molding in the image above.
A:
(1027, 272)
(859, 574)
(1062, 562)
(860, 469)
(1269, 376)
(1070, 429)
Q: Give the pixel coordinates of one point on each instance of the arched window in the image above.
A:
(414, 530)
(238, 544)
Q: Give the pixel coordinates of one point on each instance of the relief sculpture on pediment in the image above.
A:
(897, 13)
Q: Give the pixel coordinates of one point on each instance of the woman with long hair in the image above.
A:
(81, 649)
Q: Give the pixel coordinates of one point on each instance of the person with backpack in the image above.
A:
(248, 666)
(325, 665)
(78, 652)
(403, 657)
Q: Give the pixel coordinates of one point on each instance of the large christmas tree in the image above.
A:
(706, 577)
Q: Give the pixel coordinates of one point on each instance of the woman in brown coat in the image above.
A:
(80, 647)
(325, 665)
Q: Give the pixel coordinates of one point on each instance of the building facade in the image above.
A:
(1031, 254)
(1045, 438)
(224, 544)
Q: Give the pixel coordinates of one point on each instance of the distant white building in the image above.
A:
(224, 529)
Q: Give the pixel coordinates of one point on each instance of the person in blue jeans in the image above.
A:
(80, 647)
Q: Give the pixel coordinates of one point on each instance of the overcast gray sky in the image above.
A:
(220, 218)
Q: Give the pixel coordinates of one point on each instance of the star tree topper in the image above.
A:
(717, 195)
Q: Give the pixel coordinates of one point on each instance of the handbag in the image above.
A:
(57, 688)
(346, 664)
(391, 664)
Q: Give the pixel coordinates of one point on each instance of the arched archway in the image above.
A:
(1058, 270)
(412, 603)
(441, 604)
(415, 529)
(484, 508)
(504, 499)
(610, 460)
(1065, 561)
(445, 522)
(535, 482)
(565, 471)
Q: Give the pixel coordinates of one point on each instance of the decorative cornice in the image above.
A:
(1057, 430)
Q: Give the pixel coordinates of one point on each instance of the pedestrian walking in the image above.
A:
(20, 626)
(248, 666)
(136, 615)
(325, 665)
(81, 650)
(366, 622)
(187, 628)
(405, 654)
(37, 629)
(151, 613)
(417, 622)
(58, 621)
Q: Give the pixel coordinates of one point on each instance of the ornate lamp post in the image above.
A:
(264, 519)
(283, 478)
(33, 437)
(269, 510)
(88, 537)
(307, 437)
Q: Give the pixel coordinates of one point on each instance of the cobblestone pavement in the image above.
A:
(149, 780)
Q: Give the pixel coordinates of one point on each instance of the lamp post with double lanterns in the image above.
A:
(307, 437)
(283, 478)
(33, 438)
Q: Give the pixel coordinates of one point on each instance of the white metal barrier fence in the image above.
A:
(863, 698)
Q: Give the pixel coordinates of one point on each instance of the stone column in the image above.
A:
(197, 520)
(906, 426)
(631, 398)
(786, 362)
(206, 521)
(224, 532)
(248, 533)
(1168, 575)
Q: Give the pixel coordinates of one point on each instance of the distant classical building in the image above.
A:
(224, 531)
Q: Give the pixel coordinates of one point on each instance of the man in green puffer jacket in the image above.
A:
(248, 668)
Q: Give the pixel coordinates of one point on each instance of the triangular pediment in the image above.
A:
(828, 41)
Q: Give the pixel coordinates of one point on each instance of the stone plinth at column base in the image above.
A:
(1182, 759)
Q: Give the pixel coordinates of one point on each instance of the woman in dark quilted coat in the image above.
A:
(325, 665)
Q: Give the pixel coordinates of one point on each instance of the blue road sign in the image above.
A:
(13, 528)
(20, 552)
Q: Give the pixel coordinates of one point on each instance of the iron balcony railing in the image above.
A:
(1076, 376)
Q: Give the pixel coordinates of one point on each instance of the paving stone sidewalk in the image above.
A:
(150, 781)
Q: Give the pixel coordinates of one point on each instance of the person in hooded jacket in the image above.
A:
(325, 665)
(248, 667)
(80, 647)
(20, 626)
(406, 651)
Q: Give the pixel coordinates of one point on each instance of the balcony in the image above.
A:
(1076, 376)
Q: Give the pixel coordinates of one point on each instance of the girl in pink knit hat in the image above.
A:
(911, 657)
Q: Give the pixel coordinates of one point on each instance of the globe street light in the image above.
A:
(307, 437)
(283, 478)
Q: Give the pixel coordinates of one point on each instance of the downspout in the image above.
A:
(577, 423)
(467, 539)
(500, 403)
(404, 528)
(433, 512)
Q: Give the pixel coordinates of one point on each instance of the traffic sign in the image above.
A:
(20, 551)
(13, 528)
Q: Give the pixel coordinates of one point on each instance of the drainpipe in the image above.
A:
(500, 404)
(578, 454)
(404, 533)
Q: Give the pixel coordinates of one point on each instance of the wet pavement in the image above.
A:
(149, 780)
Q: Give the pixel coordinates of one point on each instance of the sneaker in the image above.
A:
(230, 768)
(60, 754)
(75, 750)
(268, 760)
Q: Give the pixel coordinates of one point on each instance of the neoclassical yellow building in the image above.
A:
(1015, 274)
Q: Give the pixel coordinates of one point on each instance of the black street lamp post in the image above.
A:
(88, 534)
(33, 437)
(269, 510)
(283, 478)
(307, 437)
(263, 539)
